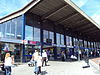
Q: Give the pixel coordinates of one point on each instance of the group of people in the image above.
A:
(39, 60)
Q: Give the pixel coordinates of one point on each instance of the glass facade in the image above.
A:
(28, 32)
(36, 34)
(68, 41)
(62, 39)
(45, 35)
(12, 29)
(58, 38)
(51, 36)
(48, 35)
(32, 33)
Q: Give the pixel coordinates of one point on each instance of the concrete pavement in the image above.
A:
(57, 68)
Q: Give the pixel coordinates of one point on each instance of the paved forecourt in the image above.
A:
(57, 68)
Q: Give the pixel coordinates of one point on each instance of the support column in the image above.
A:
(72, 45)
(55, 42)
(23, 38)
(41, 36)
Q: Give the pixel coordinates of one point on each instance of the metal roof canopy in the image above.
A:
(66, 13)
(61, 12)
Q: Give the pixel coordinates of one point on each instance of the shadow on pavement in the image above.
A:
(43, 73)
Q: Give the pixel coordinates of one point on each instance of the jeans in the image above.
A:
(35, 65)
(8, 70)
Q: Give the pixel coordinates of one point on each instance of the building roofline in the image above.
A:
(35, 2)
(21, 11)
(81, 12)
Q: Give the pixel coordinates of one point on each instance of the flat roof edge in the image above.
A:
(20, 12)
(81, 12)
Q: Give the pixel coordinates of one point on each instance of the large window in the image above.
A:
(36, 34)
(68, 41)
(8, 29)
(28, 32)
(3, 29)
(75, 41)
(45, 35)
(12, 29)
(58, 38)
(85, 44)
(13, 24)
(80, 43)
(1, 35)
(62, 39)
(19, 27)
(51, 36)
(89, 45)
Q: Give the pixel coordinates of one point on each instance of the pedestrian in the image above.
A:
(39, 64)
(44, 57)
(48, 54)
(8, 63)
(34, 58)
(63, 56)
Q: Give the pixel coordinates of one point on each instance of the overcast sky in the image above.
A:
(90, 7)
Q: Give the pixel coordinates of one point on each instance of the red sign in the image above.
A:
(32, 42)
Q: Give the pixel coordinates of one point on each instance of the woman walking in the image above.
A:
(7, 63)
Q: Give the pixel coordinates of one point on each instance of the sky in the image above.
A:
(10, 6)
(90, 7)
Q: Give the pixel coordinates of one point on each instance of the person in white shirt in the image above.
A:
(34, 58)
(39, 64)
(8, 63)
(44, 56)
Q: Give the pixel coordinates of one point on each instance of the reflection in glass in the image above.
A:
(58, 38)
(13, 23)
(19, 27)
(8, 28)
(62, 39)
(69, 41)
(51, 36)
(45, 35)
(36, 34)
(28, 32)
(3, 29)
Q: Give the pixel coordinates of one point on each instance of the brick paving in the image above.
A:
(57, 68)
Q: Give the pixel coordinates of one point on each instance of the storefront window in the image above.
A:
(28, 32)
(36, 34)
